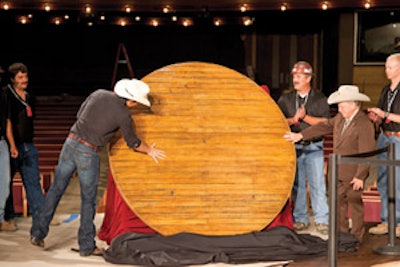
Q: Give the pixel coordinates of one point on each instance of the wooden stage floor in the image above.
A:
(364, 257)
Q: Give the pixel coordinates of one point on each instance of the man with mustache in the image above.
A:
(27, 162)
(302, 108)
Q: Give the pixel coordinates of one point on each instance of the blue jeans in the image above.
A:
(4, 176)
(74, 157)
(310, 167)
(27, 163)
(384, 141)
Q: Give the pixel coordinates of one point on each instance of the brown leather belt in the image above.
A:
(82, 141)
(397, 134)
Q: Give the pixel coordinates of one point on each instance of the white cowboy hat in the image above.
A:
(133, 89)
(347, 93)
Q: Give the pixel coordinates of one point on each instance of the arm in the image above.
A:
(377, 115)
(313, 120)
(10, 138)
(135, 143)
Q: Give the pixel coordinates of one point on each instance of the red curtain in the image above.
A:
(119, 218)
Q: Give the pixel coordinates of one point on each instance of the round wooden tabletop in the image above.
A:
(228, 168)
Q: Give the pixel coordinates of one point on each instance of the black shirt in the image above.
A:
(21, 117)
(316, 105)
(384, 99)
(100, 116)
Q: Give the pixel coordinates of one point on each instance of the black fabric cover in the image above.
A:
(278, 243)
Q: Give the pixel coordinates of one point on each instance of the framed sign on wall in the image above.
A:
(377, 35)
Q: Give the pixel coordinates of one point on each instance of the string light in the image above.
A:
(154, 22)
(186, 22)
(218, 22)
(57, 21)
(88, 9)
(247, 21)
(166, 9)
(122, 23)
(23, 20)
(6, 6)
(47, 7)
(128, 9)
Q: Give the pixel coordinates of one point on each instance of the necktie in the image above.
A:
(302, 101)
(345, 125)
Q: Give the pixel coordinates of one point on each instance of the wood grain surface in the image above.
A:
(228, 168)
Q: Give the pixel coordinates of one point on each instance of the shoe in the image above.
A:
(7, 226)
(37, 241)
(12, 222)
(380, 229)
(299, 226)
(96, 252)
(322, 228)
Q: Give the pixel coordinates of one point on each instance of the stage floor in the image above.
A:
(15, 249)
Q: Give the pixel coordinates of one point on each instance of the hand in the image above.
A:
(156, 153)
(301, 112)
(14, 152)
(377, 111)
(358, 184)
(293, 137)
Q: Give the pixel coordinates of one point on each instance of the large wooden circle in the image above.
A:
(228, 169)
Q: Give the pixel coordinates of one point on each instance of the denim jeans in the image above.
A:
(4, 176)
(74, 156)
(310, 167)
(384, 141)
(27, 163)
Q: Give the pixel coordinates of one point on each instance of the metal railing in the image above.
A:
(364, 158)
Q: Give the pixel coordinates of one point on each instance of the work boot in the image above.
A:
(299, 226)
(380, 229)
(6, 226)
(322, 228)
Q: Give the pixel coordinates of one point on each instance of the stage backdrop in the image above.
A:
(228, 168)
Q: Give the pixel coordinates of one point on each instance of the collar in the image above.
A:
(352, 116)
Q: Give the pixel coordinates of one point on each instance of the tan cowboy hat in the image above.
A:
(133, 89)
(347, 93)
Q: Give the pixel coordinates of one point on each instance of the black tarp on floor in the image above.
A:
(279, 243)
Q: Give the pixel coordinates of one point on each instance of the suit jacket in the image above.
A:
(359, 137)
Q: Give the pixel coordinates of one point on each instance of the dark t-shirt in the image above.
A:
(22, 114)
(100, 116)
(386, 98)
(316, 105)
